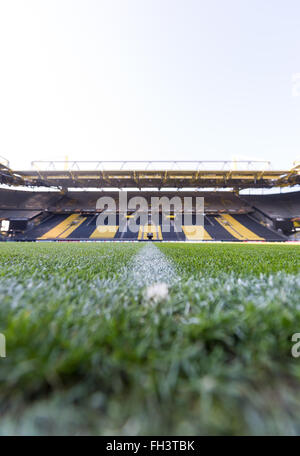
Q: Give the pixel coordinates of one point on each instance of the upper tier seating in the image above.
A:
(282, 205)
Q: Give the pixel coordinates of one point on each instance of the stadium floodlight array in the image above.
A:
(235, 175)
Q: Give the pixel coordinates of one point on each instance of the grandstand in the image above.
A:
(67, 214)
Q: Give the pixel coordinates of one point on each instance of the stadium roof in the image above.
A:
(150, 174)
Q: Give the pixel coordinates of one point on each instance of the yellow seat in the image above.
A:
(154, 229)
(64, 228)
(196, 233)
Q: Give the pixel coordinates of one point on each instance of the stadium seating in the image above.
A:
(86, 201)
(282, 205)
(222, 227)
(260, 230)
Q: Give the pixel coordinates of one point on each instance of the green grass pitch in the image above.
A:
(89, 353)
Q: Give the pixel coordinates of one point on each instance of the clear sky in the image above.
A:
(150, 79)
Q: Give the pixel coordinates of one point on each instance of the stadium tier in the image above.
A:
(73, 216)
(223, 227)
(150, 174)
(87, 200)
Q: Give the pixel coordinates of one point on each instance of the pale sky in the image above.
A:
(150, 79)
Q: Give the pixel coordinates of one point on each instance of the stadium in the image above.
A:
(71, 215)
(149, 222)
(123, 336)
